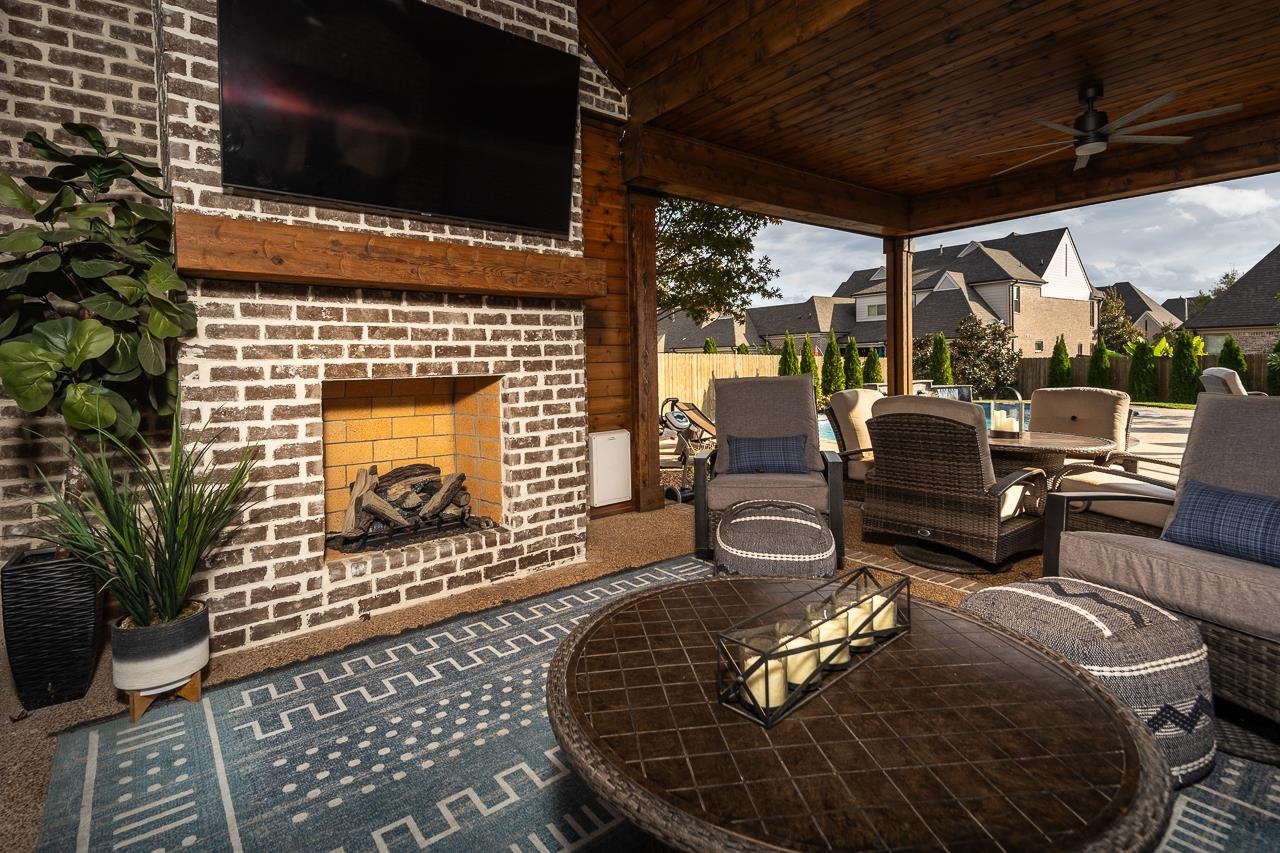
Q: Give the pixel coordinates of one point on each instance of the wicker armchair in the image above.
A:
(848, 415)
(1224, 380)
(933, 481)
(1235, 602)
(765, 407)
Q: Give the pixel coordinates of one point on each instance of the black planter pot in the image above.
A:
(155, 658)
(51, 619)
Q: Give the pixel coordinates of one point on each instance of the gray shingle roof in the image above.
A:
(1178, 306)
(1251, 301)
(813, 316)
(1137, 303)
(679, 332)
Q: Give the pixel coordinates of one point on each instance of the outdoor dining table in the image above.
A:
(1047, 451)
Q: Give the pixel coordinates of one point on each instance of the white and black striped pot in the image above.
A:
(155, 658)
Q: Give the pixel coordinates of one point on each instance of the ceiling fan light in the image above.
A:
(1090, 147)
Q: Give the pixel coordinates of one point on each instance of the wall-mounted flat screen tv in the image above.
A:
(398, 105)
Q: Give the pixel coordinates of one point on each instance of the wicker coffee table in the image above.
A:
(958, 735)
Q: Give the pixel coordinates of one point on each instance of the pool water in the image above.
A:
(826, 433)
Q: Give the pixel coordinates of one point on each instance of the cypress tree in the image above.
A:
(853, 365)
(1144, 384)
(789, 362)
(1184, 373)
(743, 349)
(832, 367)
(1060, 365)
(709, 346)
(1233, 357)
(872, 371)
(809, 365)
(940, 361)
(1100, 366)
(1273, 370)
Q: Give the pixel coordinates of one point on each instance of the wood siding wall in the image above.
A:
(688, 375)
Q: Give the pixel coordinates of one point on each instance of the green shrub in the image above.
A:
(1100, 367)
(1232, 357)
(832, 367)
(1273, 370)
(1144, 383)
(852, 365)
(809, 365)
(788, 362)
(1060, 365)
(1184, 372)
(743, 349)
(709, 346)
(940, 361)
(872, 371)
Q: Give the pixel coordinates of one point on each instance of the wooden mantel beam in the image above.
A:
(666, 162)
(252, 250)
(1235, 150)
(766, 33)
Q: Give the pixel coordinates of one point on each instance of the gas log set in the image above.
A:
(411, 503)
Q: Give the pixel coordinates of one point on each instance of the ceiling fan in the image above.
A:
(1093, 131)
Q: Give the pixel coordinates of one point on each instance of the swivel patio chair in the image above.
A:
(933, 482)
(767, 407)
(848, 415)
(1224, 380)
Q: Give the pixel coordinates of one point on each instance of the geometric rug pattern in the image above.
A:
(436, 739)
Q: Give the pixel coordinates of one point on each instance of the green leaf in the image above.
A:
(142, 166)
(88, 133)
(8, 324)
(45, 149)
(66, 173)
(123, 357)
(147, 211)
(40, 183)
(85, 406)
(161, 278)
(98, 209)
(76, 340)
(64, 235)
(12, 195)
(150, 354)
(96, 267)
(20, 241)
(61, 201)
(29, 372)
(127, 418)
(106, 305)
(165, 319)
(147, 187)
(16, 276)
(129, 288)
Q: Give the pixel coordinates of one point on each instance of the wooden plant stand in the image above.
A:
(140, 701)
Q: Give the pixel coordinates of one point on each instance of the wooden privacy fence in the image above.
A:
(688, 375)
(1034, 372)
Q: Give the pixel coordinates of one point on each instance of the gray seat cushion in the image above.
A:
(725, 490)
(1226, 591)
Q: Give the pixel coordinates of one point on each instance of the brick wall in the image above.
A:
(1043, 318)
(256, 367)
(1258, 339)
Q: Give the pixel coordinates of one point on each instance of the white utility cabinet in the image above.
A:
(609, 467)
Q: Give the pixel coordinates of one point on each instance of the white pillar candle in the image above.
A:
(800, 664)
(886, 618)
(859, 614)
(767, 684)
(833, 629)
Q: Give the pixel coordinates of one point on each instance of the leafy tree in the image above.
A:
(1060, 364)
(789, 362)
(940, 361)
(1164, 349)
(93, 307)
(921, 350)
(1221, 286)
(1100, 367)
(709, 346)
(743, 349)
(1233, 357)
(872, 371)
(832, 367)
(1144, 383)
(1273, 370)
(809, 365)
(1184, 373)
(705, 261)
(983, 355)
(852, 365)
(1115, 329)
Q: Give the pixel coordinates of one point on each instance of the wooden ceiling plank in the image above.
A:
(657, 160)
(603, 53)
(764, 38)
(660, 50)
(1242, 149)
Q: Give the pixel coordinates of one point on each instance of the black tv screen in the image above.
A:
(399, 105)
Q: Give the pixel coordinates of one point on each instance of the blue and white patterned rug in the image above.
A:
(435, 739)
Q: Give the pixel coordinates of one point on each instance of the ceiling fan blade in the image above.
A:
(1062, 147)
(1216, 111)
(1053, 125)
(1019, 148)
(1156, 140)
(1081, 162)
(1149, 106)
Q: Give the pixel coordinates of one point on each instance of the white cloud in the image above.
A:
(1225, 201)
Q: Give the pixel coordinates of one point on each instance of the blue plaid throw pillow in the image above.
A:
(1224, 521)
(781, 455)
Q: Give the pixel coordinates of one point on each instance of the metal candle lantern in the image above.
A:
(1007, 415)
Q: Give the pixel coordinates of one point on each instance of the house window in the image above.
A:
(1016, 297)
(1039, 346)
(1079, 349)
(876, 310)
(1093, 313)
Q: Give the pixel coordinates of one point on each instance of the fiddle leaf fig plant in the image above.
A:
(91, 307)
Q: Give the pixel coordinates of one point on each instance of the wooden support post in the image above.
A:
(897, 262)
(642, 284)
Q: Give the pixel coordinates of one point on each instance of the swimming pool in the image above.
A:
(826, 433)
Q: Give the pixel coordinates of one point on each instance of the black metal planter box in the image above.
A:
(51, 624)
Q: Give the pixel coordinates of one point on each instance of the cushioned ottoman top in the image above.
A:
(776, 538)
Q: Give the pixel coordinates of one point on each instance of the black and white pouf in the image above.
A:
(1151, 659)
(775, 539)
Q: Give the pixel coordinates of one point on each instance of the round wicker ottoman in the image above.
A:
(775, 539)
(1152, 660)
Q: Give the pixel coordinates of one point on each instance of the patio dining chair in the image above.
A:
(766, 447)
(848, 414)
(933, 482)
(1224, 380)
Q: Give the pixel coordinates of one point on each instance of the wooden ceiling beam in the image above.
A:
(767, 37)
(1239, 149)
(678, 165)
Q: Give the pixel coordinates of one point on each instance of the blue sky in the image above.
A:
(1170, 244)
